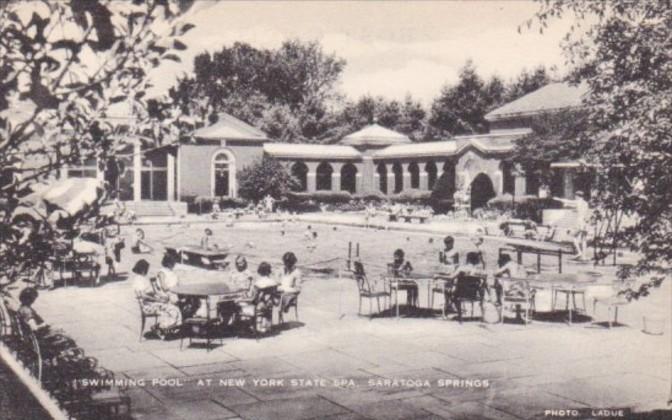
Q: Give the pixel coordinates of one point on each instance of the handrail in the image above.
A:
(41, 395)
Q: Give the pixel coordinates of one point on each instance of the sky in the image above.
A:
(391, 48)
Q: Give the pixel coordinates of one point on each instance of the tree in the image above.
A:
(262, 87)
(555, 137)
(621, 49)
(265, 177)
(62, 65)
(407, 117)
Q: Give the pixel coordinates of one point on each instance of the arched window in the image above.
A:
(223, 174)
(398, 177)
(349, 178)
(299, 171)
(382, 177)
(430, 168)
(415, 175)
(324, 171)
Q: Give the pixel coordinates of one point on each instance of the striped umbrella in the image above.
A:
(60, 199)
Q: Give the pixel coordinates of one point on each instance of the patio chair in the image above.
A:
(144, 314)
(293, 303)
(517, 295)
(398, 283)
(443, 285)
(468, 289)
(612, 299)
(199, 327)
(366, 291)
(252, 311)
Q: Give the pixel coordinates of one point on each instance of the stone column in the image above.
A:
(520, 187)
(358, 181)
(424, 177)
(171, 177)
(137, 171)
(568, 183)
(406, 177)
(336, 176)
(368, 175)
(498, 181)
(311, 177)
(391, 185)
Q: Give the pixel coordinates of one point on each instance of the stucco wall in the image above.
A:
(472, 163)
(195, 165)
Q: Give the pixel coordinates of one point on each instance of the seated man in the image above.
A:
(400, 268)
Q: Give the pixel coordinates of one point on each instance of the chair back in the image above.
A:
(469, 287)
(516, 288)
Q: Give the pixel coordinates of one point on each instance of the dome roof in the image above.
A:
(375, 135)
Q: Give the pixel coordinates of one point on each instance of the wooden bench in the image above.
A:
(408, 218)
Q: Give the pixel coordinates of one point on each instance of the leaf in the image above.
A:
(172, 57)
(179, 45)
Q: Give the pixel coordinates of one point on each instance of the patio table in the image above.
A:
(570, 283)
(194, 255)
(424, 276)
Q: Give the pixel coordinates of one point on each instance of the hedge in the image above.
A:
(412, 197)
(525, 207)
(203, 204)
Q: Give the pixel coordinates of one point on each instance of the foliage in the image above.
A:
(412, 197)
(324, 197)
(555, 137)
(265, 177)
(621, 49)
(525, 207)
(525, 83)
(62, 65)
(204, 204)
(286, 91)
(407, 117)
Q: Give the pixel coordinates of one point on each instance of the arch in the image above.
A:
(414, 170)
(323, 181)
(299, 171)
(398, 172)
(223, 174)
(349, 178)
(430, 168)
(382, 177)
(482, 190)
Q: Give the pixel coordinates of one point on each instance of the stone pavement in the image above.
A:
(334, 364)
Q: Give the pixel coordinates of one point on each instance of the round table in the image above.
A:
(204, 289)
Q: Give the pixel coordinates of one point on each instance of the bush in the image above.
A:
(322, 197)
(204, 204)
(265, 177)
(371, 197)
(525, 207)
(416, 197)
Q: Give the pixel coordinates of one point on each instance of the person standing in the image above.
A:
(580, 225)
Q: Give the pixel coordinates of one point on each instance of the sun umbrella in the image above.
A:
(60, 199)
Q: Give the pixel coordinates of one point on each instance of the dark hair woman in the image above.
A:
(399, 268)
(27, 297)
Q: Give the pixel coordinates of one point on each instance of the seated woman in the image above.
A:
(472, 267)
(290, 283)
(260, 298)
(140, 245)
(241, 276)
(508, 269)
(399, 268)
(155, 301)
(478, 245)
(166, 277)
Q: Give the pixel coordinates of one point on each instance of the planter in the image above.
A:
(653, 325)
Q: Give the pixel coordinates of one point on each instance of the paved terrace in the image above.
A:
(528, 369)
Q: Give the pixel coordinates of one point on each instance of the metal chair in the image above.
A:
(443, 285)
(517, 294)
(468, 289)
(144, 314)
(293, 303)
(260, 306)
(199, 327)
(366, 291)
(618, 296)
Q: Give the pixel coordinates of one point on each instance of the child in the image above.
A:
(205, 240)
(399, 268)
(140, 246)
(290, 284)
(449, 255)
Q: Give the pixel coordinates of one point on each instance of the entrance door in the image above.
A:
(481, 191)
(221, 176)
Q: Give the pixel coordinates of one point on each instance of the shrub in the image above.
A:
(525, 207)
(371, 197)
(265, 177)
(416, 197)
(322, 197)
(441, 198)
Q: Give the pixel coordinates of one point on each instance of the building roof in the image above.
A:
(311, 151)
(375, 135)
(553, 96)
(434, 148)
(229, 127)
(492, 142)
